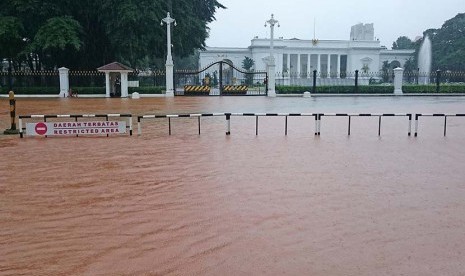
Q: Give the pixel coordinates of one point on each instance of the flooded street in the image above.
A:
(212, 204)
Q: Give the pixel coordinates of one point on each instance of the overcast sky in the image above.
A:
(244, 19)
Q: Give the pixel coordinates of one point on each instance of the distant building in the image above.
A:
(298, 58)
(362, 32)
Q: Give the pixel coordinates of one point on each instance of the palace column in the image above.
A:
(309, 73)
(298, 66)
(288, 64)
(318, 67)
(328, 67)
(338, 71)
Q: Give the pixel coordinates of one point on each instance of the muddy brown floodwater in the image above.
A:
(212, 204)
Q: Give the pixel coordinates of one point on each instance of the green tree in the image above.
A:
(403, 42)
(215, 78)
(247, 64)
(128, 31)
(11, 38)
(410, 68)
(365, 69)
(410, 65)
(58, 39)
(385, 71)
(448, 44)
(190, 62)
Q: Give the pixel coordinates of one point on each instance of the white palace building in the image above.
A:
(297, 58)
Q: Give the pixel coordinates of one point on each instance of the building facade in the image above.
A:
(297, 58)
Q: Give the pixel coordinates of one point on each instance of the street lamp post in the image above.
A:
(169, 59)
(272, 22)
(270, 60)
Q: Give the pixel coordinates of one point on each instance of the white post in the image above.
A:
(64, 82)
(228, 124)
(169, 59)
(398, 77)
(124, 85)
(107, 84)
(271, 69)
(130, 125)
(270, 61)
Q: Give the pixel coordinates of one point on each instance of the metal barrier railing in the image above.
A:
(379, 115)
(77, 127)
(445, 115)
(227, 115)
(317, 117)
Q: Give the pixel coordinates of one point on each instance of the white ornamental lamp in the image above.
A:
(272, 22)
(169, 59)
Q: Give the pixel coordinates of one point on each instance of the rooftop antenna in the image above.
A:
(314, 40)
(314, 27)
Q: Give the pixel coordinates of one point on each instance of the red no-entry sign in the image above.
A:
(41, 128)
(75, 128)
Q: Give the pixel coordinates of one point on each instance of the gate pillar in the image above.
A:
(169, 79)
(398, 75)
(124, 85)
(64, 81)
(271, 70)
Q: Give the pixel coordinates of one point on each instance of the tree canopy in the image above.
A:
(247, 63)
(11, 36)
(448, 44)
(403, 42)
(87, 34)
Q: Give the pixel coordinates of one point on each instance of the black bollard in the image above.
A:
(418, 75)
(265, 81)
(12, 129)
(438, 80)
(228, 123)
(314, 82)
(221, 78)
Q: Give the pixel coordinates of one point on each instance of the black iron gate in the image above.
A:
(220, 79)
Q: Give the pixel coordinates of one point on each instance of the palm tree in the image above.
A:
(365, 68)
(409, 68)
(385, 71)
(247, 64)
